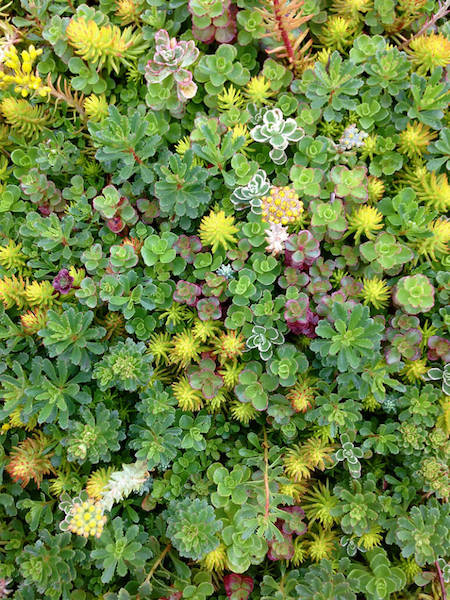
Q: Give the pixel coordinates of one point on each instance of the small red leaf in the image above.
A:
(237, 587)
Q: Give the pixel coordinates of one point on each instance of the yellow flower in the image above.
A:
(351, 9)
(230, 374)
(437, 244)
(177, 314)
(370, 146)
(23, 117)
(229, 346)
(300, 552)
(160, 346)
(434, 190)
(105, 45)
(77, 274)
(217, 229)
(321, 544)
(319, 503)
(64, 482)
(323, 56)
(281, 205)
(375, 188)
(203, 330)
(185, 349)
(301, 460)
(32, 321)
(21, 76)
(337, 33)
(216, 403)
(183, 145)
(40, 293)
(297, 465)
(372, 538)
(86, 518)
(15, 420)
(242, 131)
(294, 490)
(12, 291)
(128, 11)
(302, 395)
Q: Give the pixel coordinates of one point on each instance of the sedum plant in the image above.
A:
(352, 337)
(278, 132)
(192, 527)
(125, 366)
(70, 336)
(167, 71)
(105, 46)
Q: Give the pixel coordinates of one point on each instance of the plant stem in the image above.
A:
(135, 156)
(283, 32)
(158, 562)
(441, 13)
(441, 580)
(266, 474)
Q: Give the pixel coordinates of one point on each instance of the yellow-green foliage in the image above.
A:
(11, 256)
(429, 51)
(106, 46)
(23, 117)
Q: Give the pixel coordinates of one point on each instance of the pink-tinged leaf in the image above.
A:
(174, 596)
(237, 587)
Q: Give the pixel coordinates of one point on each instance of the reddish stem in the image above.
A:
(441, 580)
(135, 156)
(283, 32)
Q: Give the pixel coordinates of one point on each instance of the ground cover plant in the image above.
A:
(224, 284)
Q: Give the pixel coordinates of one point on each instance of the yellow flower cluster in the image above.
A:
(21, 76)
(87, 518)
(282, 206)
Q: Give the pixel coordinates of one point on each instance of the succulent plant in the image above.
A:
(224, 290)
(278, 132)
(168, 67)
(415, 294)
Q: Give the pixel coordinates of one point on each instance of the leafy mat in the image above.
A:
(224, 284)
